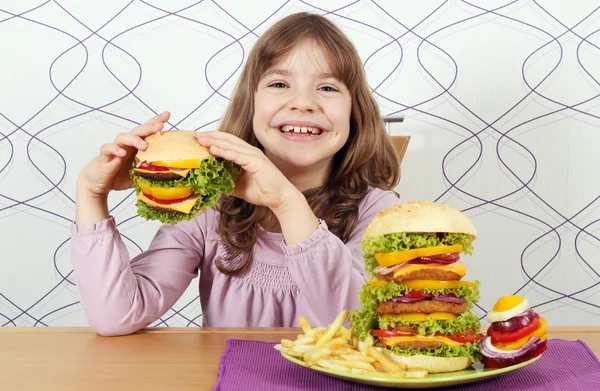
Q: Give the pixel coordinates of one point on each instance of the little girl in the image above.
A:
(316, 166)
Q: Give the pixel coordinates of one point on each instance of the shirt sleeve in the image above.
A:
(330, 273)
(121, 295)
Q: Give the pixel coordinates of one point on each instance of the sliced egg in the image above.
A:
(507, 307)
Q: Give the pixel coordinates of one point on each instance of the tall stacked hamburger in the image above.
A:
(176, 178)
(416, 306)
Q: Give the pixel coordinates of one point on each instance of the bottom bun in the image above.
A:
(430, 363)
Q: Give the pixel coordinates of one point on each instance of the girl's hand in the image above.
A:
(260, 182)
(110, 169)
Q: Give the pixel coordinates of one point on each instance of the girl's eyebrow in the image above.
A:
(283, 72)
(273, 72)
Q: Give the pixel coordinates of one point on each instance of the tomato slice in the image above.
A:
(165, 202)
(151, 167)
(418, 295)
(511, 336)
(388, 333)
(465, 338)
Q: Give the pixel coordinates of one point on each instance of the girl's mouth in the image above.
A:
(300, 130)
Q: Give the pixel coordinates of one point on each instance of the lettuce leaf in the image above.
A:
(212, 179)
(165, 217)
(368, 319)
(370, 296)
(467, 320)
(363, 321)
(405, 241)
(470, 350)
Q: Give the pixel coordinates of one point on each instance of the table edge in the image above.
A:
(244, 330)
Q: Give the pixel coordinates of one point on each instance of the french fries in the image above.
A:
(335, 347)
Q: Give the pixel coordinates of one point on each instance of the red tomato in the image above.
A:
(510, 336)
(388, 333)
(166, 202)
(150, 167)
(465, 338)
(418, 295)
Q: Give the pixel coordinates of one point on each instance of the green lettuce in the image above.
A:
(166, 217)
(212, 179)
(470, 350)
(363, 321)
(467, 320)
(368, 319)
(370, 296)
(405, 241)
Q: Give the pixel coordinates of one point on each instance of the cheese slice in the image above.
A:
(377, 283)
(182, 173)
(186, 163)
(397, 257)
(183, 207)
(427, 284)
(457, 267)
(420, 317)
(390, 341)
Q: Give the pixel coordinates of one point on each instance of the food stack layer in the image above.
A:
(417, 305)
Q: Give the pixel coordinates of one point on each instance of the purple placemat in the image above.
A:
(252, 365)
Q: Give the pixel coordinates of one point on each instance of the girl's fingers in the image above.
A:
(108, 152)
(112, 150)
(249, 163)
(233, 143)
(148, 128)
(162, 117)
(240, 158)
(130, 139)
(211, 137)
(152, 125)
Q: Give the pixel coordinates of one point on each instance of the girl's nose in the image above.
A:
(302, 100)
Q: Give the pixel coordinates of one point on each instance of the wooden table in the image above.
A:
(170, 359)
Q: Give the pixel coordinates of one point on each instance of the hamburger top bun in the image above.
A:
(420, 216)
(173, 145)
(429, 363)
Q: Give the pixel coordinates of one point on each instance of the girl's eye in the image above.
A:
(327, 89)
(277, 84)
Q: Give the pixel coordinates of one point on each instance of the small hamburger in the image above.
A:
(416, 306)
(176, 178)
(516, 333)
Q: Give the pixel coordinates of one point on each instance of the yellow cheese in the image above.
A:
(395, 258)
(390, 341)
(183, 207)
(187, 163)
(376, 283)
(166, 193)
(182, 173)
(422, 317)
(426, 284)
(457, 267)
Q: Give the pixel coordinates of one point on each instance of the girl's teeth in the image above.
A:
(300, 129)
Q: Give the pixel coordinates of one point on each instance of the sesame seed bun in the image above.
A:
(420, 216)
(173, 145)
(429, 363)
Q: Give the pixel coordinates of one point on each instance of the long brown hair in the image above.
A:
(367, 159)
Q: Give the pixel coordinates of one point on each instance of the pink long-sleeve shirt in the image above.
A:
(317, 278)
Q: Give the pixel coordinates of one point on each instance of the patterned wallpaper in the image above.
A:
(500, 98)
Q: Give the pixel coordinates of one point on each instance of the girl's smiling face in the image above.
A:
(302, 111)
